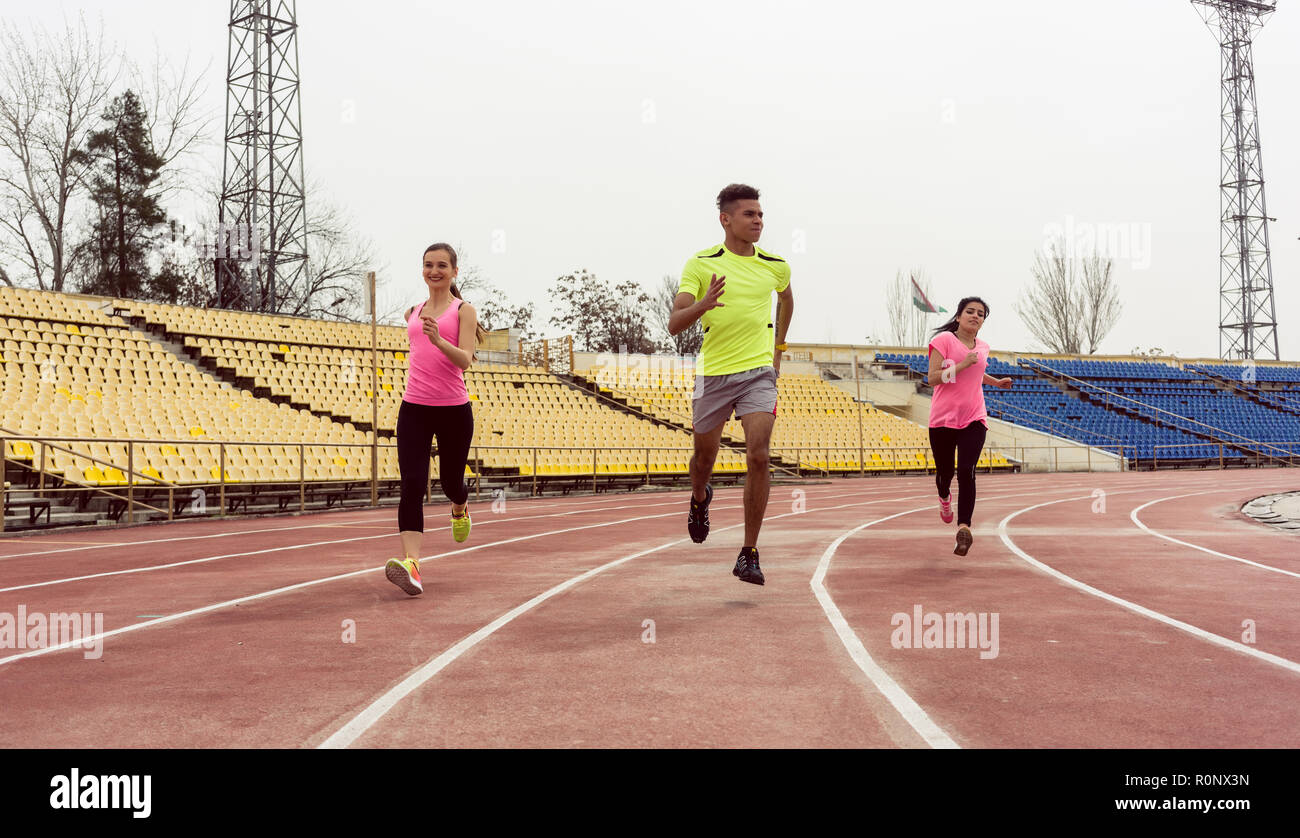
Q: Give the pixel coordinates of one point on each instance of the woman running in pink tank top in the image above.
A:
(443, 331)
(958, 423)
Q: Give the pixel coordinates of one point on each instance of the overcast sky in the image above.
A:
(547, 137)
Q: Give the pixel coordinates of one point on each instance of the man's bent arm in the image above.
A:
(686, 310)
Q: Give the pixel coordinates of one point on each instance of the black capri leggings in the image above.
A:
(968, 442)
(417, 425)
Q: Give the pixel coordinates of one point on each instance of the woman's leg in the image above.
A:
(943, 444)
(455, 432)
(414, 437)
(970, 442)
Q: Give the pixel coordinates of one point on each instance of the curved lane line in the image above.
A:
(1195, 631)
(1134, 517)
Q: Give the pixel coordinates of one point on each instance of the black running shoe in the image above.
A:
(697, 520)
(747, 568)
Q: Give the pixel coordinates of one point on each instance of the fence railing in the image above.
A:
(530, 466)
(1224, 454)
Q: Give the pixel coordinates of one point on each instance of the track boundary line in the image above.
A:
(301, 546)
(1142, 610)
(906, 706)
(372, 516)
(363, 721)
(202, 560)
(1134, 517)
(373, 712)
(361, 521)
(300, 585)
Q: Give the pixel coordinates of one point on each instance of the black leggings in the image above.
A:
(967, 442)
(417, 425)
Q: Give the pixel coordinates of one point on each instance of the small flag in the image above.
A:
(922, 302)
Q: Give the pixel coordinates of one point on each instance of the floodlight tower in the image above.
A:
(261, 248)
(1247, 318)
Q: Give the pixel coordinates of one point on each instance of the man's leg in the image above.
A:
(758, 479)
(706, 454)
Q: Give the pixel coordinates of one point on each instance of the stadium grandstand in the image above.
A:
(120, 411)
(1184, 413)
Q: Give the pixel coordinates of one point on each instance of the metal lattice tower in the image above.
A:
(261, 248)
(1247, 318)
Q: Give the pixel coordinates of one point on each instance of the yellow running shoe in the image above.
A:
(460, 527)
(405, 574)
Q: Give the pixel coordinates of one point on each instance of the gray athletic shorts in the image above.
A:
(716, 396)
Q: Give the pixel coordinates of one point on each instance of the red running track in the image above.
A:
(1133, 610)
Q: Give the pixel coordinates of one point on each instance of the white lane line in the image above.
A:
(906, 706)
(302, 546)
(1134, 517)
(300, 585)
(364, 720)
(124, 544)
(1195, 631)
(289, 588)
(383, 514)
(146, 568)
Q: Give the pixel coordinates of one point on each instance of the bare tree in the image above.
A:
(1051, 307)
(337, 263)
(898, 301)
(685, 342)
(1102, 300)
(333, 285)
(907, 321)
(52, 90)
(178, 124)
(1071, 304)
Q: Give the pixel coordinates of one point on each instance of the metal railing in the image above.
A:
(1225, 458)
(134, 480)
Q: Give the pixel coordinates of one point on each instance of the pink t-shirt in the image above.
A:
(955, 404)
(431, 378)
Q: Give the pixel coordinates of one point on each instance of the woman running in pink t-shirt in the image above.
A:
(443, 331)
(957, 417)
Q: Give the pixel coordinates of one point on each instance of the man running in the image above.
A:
(739, 361)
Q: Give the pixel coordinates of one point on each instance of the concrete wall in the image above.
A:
(666, 364)
(880, 393)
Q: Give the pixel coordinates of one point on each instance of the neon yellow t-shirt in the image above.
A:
(740, 335)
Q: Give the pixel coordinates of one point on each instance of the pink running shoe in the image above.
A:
(945, 509)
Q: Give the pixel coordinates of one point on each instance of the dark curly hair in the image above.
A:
(728, 197)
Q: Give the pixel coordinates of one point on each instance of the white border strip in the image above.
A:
(364, 720)
(367, 718)
(1134, 517)
(1195, 631)
(906, 706)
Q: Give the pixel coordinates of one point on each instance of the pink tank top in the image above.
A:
(431, 378)
(957, 404)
